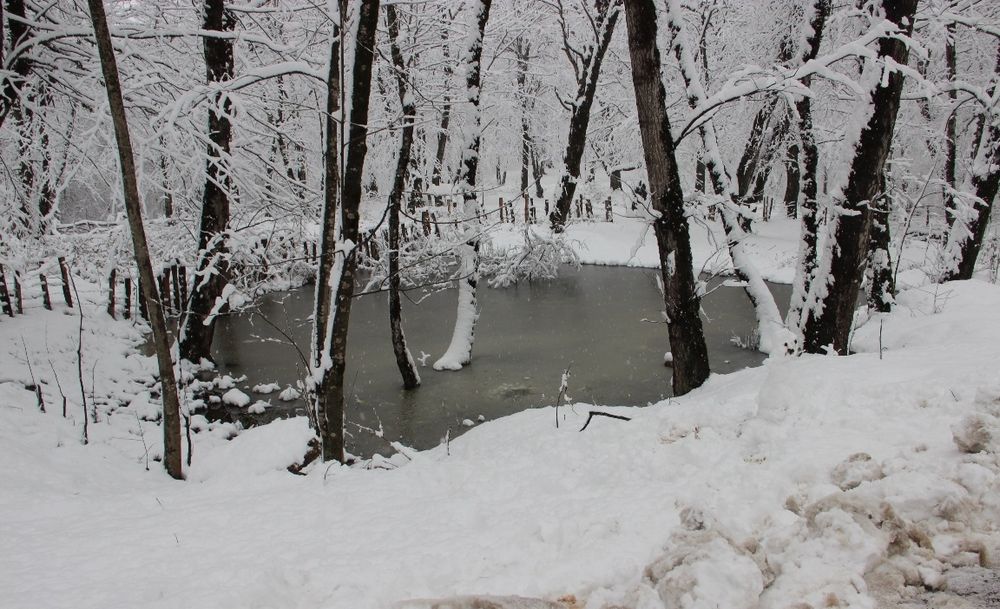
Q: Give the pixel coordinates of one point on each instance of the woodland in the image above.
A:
(169, 165)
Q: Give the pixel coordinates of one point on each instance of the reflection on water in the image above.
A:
(604, 322)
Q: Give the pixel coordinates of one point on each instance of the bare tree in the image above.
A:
(404, 360)
(329, 376)
(834, 292)
(210, 279)
(459, 351)
(133, 208)
(586, 65)
(680, 294)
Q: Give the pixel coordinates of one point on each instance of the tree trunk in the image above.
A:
(332, 382)
(404, 360)
(213, 266)
(459, 351)
(774, 337)
(793, 177)
(442, 136)
(327, 412)
(680, 294)
(809, 222)
(607, 17)
(20, 66)
(133, 208)
(522, 50)
(882, 288)
(951, 126)
(834, 292)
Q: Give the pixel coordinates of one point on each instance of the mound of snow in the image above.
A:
(235, 397)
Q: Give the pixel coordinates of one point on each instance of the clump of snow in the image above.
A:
(858, 468)
(972, 434)
(258, 407)
(235, 397)
(468, 423)
(224, 382)
(266, 388)
(290, 394)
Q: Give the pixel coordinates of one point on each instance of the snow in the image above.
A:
(266, 388)
(289, 394)
(235, 397)
(809, 480)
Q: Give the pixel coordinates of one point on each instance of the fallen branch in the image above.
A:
(596, 413)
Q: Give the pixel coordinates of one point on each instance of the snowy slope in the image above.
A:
(729, 495)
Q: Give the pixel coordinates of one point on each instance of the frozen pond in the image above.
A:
(604, 322)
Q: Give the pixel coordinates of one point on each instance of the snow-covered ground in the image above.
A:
(830, 481)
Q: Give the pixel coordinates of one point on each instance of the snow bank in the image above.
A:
(749, 492)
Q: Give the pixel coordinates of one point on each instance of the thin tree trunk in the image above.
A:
(774, 337)
(882, 287)
(442, 135)
(213, 267)
(459, 351)
(522, 50)
(680, 294)
(834, 292)
(332, 383)
(21, 65)
(951, 126)
(133, 208)
(971, 221)
(809, 221)
(327, 412)
(607, 17)
(404, 360)
(793, 178)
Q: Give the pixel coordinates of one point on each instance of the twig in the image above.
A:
(79, 360)
(596, 413)
(38, 388)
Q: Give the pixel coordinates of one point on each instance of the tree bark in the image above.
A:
(442, 135)
(327, 412)
(522, 49)
(20, 64)
(809, 222)
(404, 360)
(834, 292)
(213, 266)
(882, 288)
(607, 17)
(950, 126)
(459, 352)
(133, 208)
(687, 339)
(347, 243)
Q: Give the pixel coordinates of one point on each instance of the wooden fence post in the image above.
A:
(607, 210)
(527, 210)
(64, 274)
(437, 227)
(182, 283)
(503, 211)
(5, 295)
(425, 219)
(590, 209)
(143, 310)
(17, 293)
(44, 284)
(112, 284)
(164, 280)
(128, 298)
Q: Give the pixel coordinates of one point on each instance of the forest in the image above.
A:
(596, 304)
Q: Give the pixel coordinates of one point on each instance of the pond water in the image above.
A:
(603, 322)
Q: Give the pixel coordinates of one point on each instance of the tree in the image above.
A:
(333, 316)
(404, 360)
(968, 229)
(211, 277)
(133, 207)
(586, 65)
(687, 339)
(834, 292)
(459, 351)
